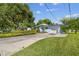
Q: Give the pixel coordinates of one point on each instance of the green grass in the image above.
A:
(16, 33)
(65, 46)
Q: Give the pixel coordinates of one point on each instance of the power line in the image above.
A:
(49, 11)
(69, 7)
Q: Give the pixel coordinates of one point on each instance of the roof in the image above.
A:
(54, 27)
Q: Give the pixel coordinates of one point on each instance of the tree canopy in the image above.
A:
(12, 15)
(45, 21)
(70, 24)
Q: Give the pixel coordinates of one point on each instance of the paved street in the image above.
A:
(8, 46)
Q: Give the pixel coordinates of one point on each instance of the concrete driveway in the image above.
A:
(8, 46)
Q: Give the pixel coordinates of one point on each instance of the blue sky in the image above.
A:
(59, 10)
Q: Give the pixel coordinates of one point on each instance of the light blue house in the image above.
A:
(53, 29)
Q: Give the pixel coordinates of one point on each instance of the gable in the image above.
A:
(54, 27)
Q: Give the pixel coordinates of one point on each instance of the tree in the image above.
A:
(11, 15)
(45, 21)
(70, 24)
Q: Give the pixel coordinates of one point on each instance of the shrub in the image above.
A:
(17, 33)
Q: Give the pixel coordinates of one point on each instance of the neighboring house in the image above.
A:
(53, 29)
(43, 27)
(29, 29)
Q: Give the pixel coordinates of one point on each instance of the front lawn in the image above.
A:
(65, 46)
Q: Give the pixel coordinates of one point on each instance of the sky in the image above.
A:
(58, 11)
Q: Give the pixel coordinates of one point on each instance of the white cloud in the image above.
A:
(73, 15)
(55, 3)
(38, 12)
(67, 16)
(51, 9)
(41, 4)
